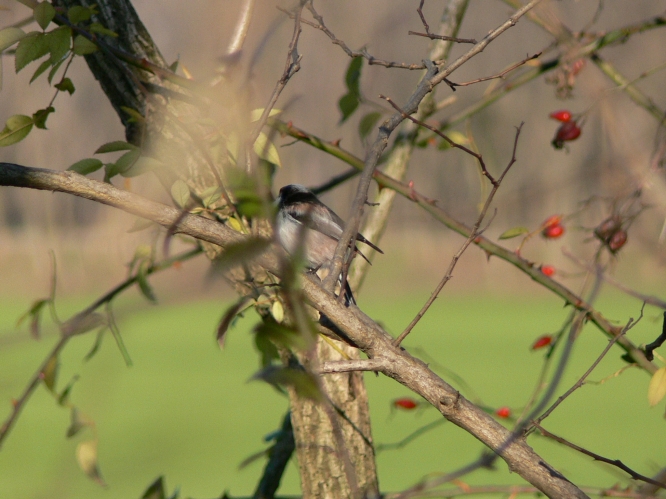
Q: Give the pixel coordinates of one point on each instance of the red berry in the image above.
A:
(568, 131)
(607, 228)
(548, 270)
(503, 412)
(405, 403)
(553, 231)
(542, 341)
(563, 115)
(617, 240)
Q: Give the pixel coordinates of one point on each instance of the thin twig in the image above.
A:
(478, 156)
(432, 36)
(473, 234)
(490, 247)
(597, 457)
(291, 67)
(649, 299)
(242, 27)
(582, 379)
(372, 60)
(502, 74)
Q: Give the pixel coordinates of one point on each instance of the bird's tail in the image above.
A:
(349, 296)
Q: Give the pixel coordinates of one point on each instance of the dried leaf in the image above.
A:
(86, 456)
(657, 387)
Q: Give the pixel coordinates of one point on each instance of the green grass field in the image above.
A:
(185, 409)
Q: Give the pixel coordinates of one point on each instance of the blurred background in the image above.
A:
(487, 306)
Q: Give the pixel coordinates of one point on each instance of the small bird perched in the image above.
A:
(303, 220)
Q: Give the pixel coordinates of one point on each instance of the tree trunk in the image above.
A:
(322, 462)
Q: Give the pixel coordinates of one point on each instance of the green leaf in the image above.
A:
(59, 41)
(34, 314)
(76, 423)
(79, 14)
(135, 116)
(367, 123)
(86, 166)
(180, 193)
(267, 350)
(657, 387)
(304, 383)
(42, 67)
(96, 345)
(83, 46)
(284, 336)
(143, 165)
(266, 150)
(229, 318)
(127, 160)
(64, 395)
(155, 490)
(210, 195)
(350, 101)
(54, 70)
(50, 373)
(30, 48)
(86, 456)
(142, 281)
(65, 85)
(9, 36)
(44, 14)
(514, 232)
(117, 145)
(16, 129)
(353, 76)
(99, 29)
(111, 321)
(348, 104)
(40, 117)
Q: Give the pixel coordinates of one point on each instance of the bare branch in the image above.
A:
(478, 157)
(443, 37)
(345, 366)
(490, 247)
(501, 74)
(597, 457)
(582, 379)
(360, 329)
(474, 233)
(291, 67)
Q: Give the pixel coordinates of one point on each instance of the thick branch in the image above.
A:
(363, 331)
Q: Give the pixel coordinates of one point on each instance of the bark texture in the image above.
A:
(165, 136)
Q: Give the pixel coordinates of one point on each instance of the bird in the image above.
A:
(303, 221)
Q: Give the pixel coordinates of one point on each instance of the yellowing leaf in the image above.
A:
(256, 113)
(180, 193)
(9, 36)
(265, 149)
(277, 311)
(235, 225)
(86, 456)
(657, 388)
(16, 129)
(50, 373)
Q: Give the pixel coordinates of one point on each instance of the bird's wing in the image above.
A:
(317, 217)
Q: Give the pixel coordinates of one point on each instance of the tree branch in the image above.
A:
(362, 330)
